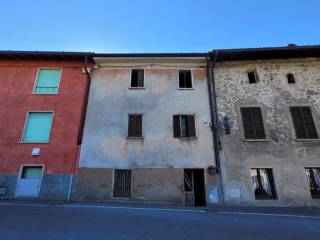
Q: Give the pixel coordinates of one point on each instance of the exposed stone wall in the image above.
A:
(281, 151)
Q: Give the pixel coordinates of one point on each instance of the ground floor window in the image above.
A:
(122, 183)
(313, 176)
(263, 184)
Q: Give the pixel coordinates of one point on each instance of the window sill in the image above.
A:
(135, 138)
(185, 88)
(188, 138)
(307, 140)
(256, 140)
(44, 93)
(137, 88)
(34, 142)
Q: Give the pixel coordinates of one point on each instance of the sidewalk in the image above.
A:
(299, 211)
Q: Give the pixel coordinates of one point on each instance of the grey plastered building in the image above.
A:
(148, 131)
(268, 106)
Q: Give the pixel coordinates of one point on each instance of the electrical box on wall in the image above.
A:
(35, 152)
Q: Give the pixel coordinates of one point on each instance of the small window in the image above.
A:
(137, 78)
(184, 126)
(252, 123)
(135, 125)
(185, 79)
(252, 76)
(263, 184)
(122, 183)
(38, 127)
(303, 123)
(313, 177)
(290, 78)
(31, 172)
(48, 81)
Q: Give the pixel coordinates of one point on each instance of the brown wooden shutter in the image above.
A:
(252, 123)
(176, 126)
(191, 126)
(303, 123)
(140, 78)
(135, 126)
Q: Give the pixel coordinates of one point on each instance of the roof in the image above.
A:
(220, 55)
(290, 51)
(50, 55)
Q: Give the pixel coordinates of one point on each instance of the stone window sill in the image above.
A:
(135, 137)
(137, 88)
(307, 140)
(256, 140)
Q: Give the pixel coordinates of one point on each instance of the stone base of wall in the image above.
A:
(53, 187)
(154, 185)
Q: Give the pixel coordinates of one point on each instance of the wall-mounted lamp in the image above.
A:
(212, 170)
(226, 125)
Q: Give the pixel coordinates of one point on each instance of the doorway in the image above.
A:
(29, 181)
(194, 187)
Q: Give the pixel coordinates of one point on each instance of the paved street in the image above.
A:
(41, 221)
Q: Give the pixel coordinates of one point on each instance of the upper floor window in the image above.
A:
(48, 81)
(135, 126)
(137, 78)
(37, 127)
(253, 77)
(185, 79)
(303, 123)
(184, 126)
(252, 123)
(290, 78)
(313, 177)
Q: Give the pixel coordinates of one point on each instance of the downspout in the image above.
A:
(81, 125)
(214, 119)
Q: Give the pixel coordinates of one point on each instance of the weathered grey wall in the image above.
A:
(53, 186)
(105, 143)
(282, 152)
(158, 159)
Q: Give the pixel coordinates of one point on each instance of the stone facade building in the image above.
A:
(148, 131)
(268, 105)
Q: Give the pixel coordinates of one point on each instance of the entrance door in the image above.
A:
(194, 187)
(29, 181)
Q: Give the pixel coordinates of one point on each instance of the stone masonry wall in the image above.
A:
(281, 151)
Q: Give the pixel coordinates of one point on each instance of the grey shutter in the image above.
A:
(176, 126)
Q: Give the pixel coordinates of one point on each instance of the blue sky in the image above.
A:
(157, 26)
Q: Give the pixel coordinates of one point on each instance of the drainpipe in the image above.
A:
(81, 126)
(214, 119)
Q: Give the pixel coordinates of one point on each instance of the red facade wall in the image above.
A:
(17, 79)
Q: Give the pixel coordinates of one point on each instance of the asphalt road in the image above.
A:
(108, 223)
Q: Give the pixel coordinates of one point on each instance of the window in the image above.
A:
(135, 125)
(313, 176)
(137, 78)
(252, 76)
(37, 127)
(185, 79)
(303, 123)
(252, 123)
(48, 81)
(122, 183)
(184, 126)
(31, 172)
(290, 78)
(263, 185)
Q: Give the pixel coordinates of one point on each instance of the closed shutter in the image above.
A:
(135, 126)
(303, 123)
(191, 126)
(48, 81)
(38, 126)
(252, 123)
(176, 126)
